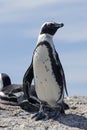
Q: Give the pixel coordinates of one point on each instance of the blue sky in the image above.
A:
(20, 21)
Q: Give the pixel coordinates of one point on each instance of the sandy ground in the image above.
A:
(12, 117)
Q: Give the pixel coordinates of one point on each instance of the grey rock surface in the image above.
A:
(12, 117)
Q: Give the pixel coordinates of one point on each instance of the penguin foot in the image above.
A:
(46, 113)
(55, 113)
(39, 116)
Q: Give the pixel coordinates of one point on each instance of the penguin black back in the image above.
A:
(6, 80)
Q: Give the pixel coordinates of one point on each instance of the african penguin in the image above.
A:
(4, 80)
(8, 91)
(47, 71)
(13, 94)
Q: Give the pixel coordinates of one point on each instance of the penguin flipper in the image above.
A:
(27, 80)
(62, 72)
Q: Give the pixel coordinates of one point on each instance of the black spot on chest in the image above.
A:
(46, 67)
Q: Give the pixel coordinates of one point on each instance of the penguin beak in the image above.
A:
(59, 25)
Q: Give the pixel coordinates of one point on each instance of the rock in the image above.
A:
(12, 117)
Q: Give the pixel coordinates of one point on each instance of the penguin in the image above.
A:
(4, 80)
(48, 74)
(9, 91)
(13, 94)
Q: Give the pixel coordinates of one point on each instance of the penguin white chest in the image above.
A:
(47, 88)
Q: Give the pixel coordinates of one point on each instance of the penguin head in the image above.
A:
(50, 28)
(4, 80)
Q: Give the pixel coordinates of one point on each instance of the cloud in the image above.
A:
(9, 6)
(12, 11)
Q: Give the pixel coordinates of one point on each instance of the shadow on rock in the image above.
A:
(74, 120)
